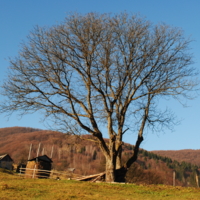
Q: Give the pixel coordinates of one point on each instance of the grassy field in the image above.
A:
(14, 187)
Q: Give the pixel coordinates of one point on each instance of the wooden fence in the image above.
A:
(39, 173)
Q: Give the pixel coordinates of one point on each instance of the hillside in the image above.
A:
(71, 152)
(66, 150)
(187, 155)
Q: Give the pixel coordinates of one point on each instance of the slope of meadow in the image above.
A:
(13, 187)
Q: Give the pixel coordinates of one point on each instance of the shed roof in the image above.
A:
(42, 158)
(5, 156)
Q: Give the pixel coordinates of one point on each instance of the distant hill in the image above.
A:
(187, 155)
(69, 151)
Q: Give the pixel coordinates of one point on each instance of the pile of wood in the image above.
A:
(92, 178)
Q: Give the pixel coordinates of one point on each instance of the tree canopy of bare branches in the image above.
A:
(101, 70)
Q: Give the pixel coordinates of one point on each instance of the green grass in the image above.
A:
(14, 187)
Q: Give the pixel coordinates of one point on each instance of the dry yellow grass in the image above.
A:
(13, 187)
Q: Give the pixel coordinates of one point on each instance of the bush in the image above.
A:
(137, 175)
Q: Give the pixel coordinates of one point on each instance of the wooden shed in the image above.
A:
(38, 167)
(6, 162)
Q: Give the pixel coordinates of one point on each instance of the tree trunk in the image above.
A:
(134, 157)
(121, 173)
(113, 170)
(119, 159)
(110, 169)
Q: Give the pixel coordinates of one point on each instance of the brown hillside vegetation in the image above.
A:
(83, 155)
(187, 155)
(68, 151)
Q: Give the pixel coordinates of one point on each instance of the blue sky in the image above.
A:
(18, 17)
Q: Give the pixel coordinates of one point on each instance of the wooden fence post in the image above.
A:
(197, 180)
(174, 178)
(29, 155)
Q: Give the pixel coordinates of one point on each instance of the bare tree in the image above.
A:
(102, 73)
